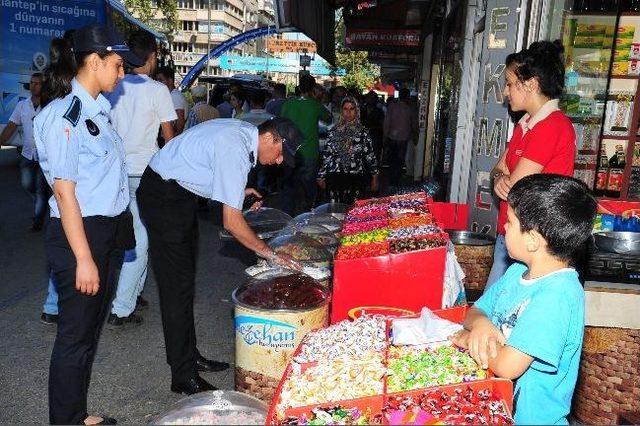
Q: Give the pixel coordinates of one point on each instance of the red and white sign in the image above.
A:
(382, 38)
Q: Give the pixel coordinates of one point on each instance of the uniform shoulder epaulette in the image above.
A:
(73, 112)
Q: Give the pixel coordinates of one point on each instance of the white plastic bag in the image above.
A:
(429, 328)
(453, 285)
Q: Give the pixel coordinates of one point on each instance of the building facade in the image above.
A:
(204, 24)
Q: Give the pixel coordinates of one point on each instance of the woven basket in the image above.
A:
(609, 380)
(476, 263)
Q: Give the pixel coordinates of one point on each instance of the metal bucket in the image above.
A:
(475, 255)
(267, 338)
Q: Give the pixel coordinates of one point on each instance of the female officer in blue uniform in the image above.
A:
(82, 158)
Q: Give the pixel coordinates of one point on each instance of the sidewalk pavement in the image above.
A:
(130, 379)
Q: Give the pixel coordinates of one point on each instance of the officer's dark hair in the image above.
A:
(142, 44)
(168, 72)
(257, 99)
(36, 75)
(307, 83)
(268, 127)
(560, 208)
(543, 60)
(63, 66)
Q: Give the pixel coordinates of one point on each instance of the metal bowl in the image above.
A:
(468, 238)
(618, 242)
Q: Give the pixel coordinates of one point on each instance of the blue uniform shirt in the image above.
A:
(211, 159)
(76, 142)
(543, 318)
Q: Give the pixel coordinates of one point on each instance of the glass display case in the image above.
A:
(602, 59)
(266, 222)
(215, 408)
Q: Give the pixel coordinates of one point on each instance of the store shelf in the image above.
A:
(617, 138)
(626, 77)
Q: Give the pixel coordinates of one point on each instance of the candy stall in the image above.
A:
(354, 372)
(392, 253)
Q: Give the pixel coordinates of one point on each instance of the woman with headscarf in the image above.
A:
(348, 162)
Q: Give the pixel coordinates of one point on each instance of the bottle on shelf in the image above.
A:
(602, 174)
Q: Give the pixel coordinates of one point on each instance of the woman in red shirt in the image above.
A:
(543, 141)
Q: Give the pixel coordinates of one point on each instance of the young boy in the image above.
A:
(529, 325)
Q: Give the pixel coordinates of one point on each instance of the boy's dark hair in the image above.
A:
(560, 208)
(543, 60)
(143, 44)
(307, 83)
(404, 93)
(168, 72)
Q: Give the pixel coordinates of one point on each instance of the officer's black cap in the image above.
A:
(291, 136)
(98, 38)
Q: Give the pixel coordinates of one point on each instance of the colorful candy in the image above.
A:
(413, 244)
(462, 406)
(415, 368)
(334, 380)
(405, 221)
(369, 210)
(413, 231)
(344, 339)
(363, 226)
(363, 250)
(375, 236)
(336, 415)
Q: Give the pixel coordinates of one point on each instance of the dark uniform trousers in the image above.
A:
(169, 213)
(81, 317)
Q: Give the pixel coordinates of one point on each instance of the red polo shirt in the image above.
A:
(551, 142)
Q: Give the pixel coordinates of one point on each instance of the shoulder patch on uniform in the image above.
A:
(73, 112)
(252, 158)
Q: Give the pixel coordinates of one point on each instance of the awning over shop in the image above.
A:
(315, 18)
(119, 7)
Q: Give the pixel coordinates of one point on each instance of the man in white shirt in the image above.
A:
(139, 106)
(30, 174)
(167, 75)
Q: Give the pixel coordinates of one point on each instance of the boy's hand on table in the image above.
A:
(460, 339)
(483, 343)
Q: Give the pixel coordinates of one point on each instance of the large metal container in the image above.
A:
(267, 333)
(475, 255)
(618, 242)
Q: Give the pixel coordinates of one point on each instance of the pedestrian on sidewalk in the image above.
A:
(139, 106)
(167, 76)
(211, 160)
(348, 164)
(400, 126)
(201, 110)
(31, 176)
(305, 111)
(83, 160)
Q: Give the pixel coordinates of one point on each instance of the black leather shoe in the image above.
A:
(141, 303)
(191, 386)
(48, 319)
(116, 322)
(204, 364)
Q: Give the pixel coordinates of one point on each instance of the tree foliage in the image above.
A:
(360, 73)
(146, 11)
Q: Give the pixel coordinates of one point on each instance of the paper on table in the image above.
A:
(428, 328)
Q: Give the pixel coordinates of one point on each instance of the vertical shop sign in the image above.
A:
(490, 131)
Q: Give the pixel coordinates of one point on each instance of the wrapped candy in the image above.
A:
(405, 221)
(344, 339)
(335, 415)
(369, 210)
(462, 406)
(415, 368)
(334, 380)
(413, 244)
(364, 226)
(413, 231)
(374, 236)
(362, 250)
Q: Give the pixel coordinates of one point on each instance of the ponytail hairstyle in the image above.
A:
(63, 67)
(543, 60)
